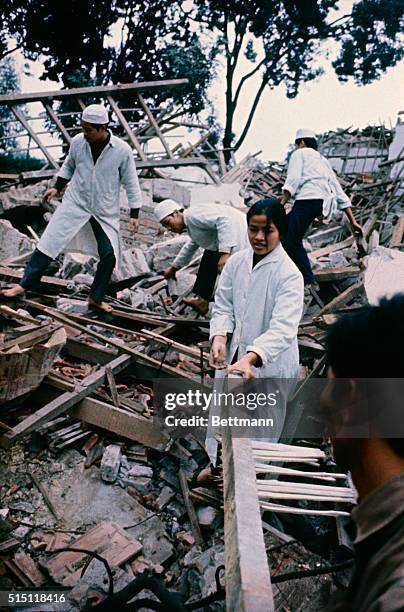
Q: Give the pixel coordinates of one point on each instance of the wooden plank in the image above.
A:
(31, 338)
(336, 274)
(196, 530)
(122, 348)
(16, 111)
(302, 398)
(397, 235)
(331, 248)
(155, 125)
(128, 425)
(346, 296)
(49, 282)
(126, 127)
(166, 163)
(112, 386)
(248, 582)
(53, 116)
(63, 402)
(182, 348)
(93, 91)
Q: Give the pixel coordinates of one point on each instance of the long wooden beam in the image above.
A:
(166, 163)
(154, 124)
(106, 416)
(17, 112)
(63, 402)
(248, 582)
(93, 91)
(53, 116)
(122, 120)
(122, 348)
(49, 282)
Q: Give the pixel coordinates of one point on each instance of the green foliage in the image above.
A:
(92, 42)
(9, 83)
(14, 164)
(373, 42)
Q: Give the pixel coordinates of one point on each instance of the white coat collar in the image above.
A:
(272, 257)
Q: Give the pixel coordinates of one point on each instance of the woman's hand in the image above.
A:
(244, 365)
(217, 356)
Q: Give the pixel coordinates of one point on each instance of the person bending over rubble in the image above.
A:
(363, 346)
(257, 310)
(217, 228)
(96, 165)
(316, 190)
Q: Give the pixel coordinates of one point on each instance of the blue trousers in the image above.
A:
(39, 262)
(300, 218)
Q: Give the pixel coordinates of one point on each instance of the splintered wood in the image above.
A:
(266, 454)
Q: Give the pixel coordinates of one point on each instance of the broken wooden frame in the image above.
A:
(136, 135)
(248, 581)
(66, 397)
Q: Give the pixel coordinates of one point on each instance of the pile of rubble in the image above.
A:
(89, 468)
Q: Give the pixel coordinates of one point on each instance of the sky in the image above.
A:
(321, 105)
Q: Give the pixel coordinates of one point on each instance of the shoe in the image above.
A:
(198, 304)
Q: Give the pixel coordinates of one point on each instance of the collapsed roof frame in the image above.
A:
(108, 93)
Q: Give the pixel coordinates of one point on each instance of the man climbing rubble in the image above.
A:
(316, 191)
(219, 229)
(89, 215)
(364, 397)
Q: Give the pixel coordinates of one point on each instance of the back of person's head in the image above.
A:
(311, 143)
(272, 209)
(370, 345)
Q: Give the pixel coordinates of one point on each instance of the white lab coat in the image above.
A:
(311, 177)
(214, 227)
(260, 309)
(93, 191)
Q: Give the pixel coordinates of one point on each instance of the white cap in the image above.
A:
(165, 208)
(95, 113)
(304, 133)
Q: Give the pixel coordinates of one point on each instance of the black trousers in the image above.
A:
(299, 219)
(206, 278)
(39, 262)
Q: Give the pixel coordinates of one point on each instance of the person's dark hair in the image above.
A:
(272, 209)
(370, 344)
(311, 143)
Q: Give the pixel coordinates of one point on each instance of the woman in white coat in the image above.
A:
(258, 306)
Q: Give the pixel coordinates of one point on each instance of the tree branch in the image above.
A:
(252, 113)
(245, 78)
(10, 51)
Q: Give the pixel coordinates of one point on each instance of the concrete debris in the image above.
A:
(110, 463)
(12, 242)
(119, 485)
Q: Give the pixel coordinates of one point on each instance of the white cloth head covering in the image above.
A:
(304, 133)
(95, 113)
(165, 208)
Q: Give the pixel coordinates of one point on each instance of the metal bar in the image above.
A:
(126, 127)
(51, 113)
(33, 135)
